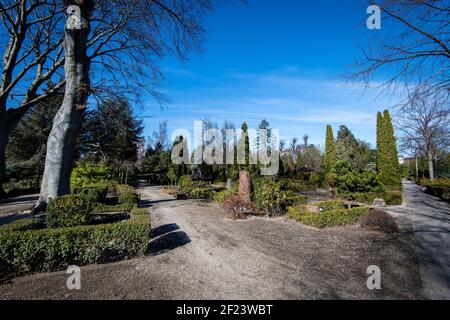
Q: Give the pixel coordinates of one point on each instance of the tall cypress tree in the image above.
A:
(387, 155)
(380, 139)
(330, 153)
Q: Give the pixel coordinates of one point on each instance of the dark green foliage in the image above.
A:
(25, 152)
(127, 195)
(195, 189)
(387, 155)
(55, 249)
(69, 211)
(111, 132)
(23, 225)
(326, 219)
(270, 198)
(348, 181)
(94, 194)
(356, 152)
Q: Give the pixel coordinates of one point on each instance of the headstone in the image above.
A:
(379, 203)
(313, 209)
(245, 186)
(229, 186)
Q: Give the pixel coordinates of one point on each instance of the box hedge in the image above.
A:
(330, 218)
(23, 252)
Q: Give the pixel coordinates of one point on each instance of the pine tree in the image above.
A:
(330, 153)
(387, 155)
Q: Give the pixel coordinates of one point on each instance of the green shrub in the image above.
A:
(139, 211)
(185, 183)
(296, 186)
(222, 196)
(95, 194)
(269, 198)
(55, 249)
(69, 211)
(22, 225)
(103, 208)
(126, 194)
(326, 219)
(88, 174)
(294, 200)
(440, 187)
(200, 193)
(330, 205)
(392, 198)
(348, 181)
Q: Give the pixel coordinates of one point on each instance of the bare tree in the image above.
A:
(416, 51)
(425, 124)
(32, 55)
(126, 40)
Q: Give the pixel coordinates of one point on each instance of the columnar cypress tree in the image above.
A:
(380, 139)
(387, 155)
(330, 153)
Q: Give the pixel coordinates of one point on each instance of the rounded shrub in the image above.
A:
(126, 194)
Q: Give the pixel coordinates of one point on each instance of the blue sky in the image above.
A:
(279, 60)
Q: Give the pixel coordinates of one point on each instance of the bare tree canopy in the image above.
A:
(417, 50)
(425, 124)
(126, 41)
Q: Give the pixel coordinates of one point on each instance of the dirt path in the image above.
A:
(198, 254)
(429, 219)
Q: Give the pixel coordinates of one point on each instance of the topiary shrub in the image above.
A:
(69, 211)
(126, 194)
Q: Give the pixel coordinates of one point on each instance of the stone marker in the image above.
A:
(379, 203)
(245, 186)
(313, 209)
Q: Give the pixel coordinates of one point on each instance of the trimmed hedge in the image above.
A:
(69, 211)
(46, 250)
(126, 194)
(326, 219)
(103, 208)
(22, 225)
(440, 187)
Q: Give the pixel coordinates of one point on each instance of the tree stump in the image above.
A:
(245, 186)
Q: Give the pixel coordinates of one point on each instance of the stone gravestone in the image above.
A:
(245, 186)
(229, 184)
(379, 203)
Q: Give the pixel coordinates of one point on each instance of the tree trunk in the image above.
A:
(417, 169)
(67, 121)
(431, 166)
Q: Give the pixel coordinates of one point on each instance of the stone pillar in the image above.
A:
(245, 186)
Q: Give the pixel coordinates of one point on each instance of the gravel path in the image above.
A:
(196, 253)
(429, 219)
